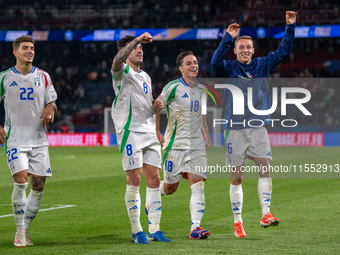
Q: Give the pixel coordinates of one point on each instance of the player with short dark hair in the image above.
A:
(29, 99)
(244, 140)
(134, 119)
(184, 146)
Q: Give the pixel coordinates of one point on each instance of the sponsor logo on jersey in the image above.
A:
(37, 82)
(185, 95)
(48, 170)
(159, 209)
(269, 154)
(13, 84)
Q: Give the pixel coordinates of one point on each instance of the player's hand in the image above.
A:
(145, 38)
(3, 136)
(47, 115)
(290, 17)
(234, 30)
(208, 142)
(158, 104)
(160, 138)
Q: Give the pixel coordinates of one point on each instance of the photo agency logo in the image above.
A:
(204, 98)
(238, 106)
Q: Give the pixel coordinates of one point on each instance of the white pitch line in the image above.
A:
(47, 209)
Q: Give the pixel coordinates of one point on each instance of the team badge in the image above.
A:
(131, 161)
(249, 75)
(37, 82)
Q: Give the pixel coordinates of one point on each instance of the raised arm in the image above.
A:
(286, 44)
(291, 17)
(217, 59)
(124, 53)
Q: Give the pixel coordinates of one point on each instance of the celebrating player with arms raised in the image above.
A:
(134, 119)
(243, 141)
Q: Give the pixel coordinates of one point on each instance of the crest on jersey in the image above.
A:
(37, 82)
(131, 161)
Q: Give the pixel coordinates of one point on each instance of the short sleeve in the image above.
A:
(50, 93)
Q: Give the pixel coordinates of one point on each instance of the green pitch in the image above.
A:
(93, 181)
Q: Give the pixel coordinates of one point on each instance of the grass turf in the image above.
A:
(92, 179)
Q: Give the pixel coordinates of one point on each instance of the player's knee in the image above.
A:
(156, 178)
(236, 181)
(170, 189)
(134, 177)
(20, 177)
(38, 183)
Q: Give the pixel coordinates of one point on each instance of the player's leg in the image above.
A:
(153, 205)
(17, 160)
(19, 202)
(39, 169)
(264, 184)
(197, 206)
(261, 153)
(33, 202)
(265, 192)
(236, 199)
(172, 168)
(132, 162)
(237, 143)
(132, 199)
(195, 165)
(168, 188)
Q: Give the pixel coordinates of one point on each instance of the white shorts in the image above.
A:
(36, 160)
(179, 162)
(253, 142)
(138, 149)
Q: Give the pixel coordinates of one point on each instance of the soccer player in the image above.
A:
(134, 119)
(243, 140)
(185, 135)
(29, 99)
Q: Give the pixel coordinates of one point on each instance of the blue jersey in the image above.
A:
(248, 75)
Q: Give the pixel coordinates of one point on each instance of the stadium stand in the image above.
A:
(86, 14)
(81, 71)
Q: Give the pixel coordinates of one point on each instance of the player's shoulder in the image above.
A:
(125, 68)
(171, 85)
(201, 86)
(261, 60)
(5, 72)
(145, 74)
(38, 70)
